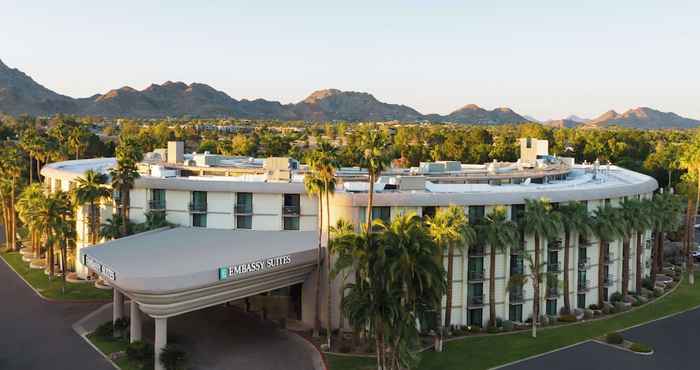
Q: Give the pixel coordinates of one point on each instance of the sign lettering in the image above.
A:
(251, 267)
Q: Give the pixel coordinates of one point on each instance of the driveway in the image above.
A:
(674, 341)
(224, 338)
(36, 334)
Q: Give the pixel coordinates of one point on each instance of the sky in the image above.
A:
(546, 59)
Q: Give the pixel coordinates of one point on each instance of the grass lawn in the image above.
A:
(488, 351)
(52, 289)
(110, 346)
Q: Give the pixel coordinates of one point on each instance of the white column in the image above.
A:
(118, 306)
(161, 340)
(135, 322)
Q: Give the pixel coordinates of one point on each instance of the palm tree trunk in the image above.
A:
(660, 254)
(567, 241)
(492, 287)
(625, 265)
(601, 264)
(536, 283)
(31, 169)
(329, 296)
(319, 264)
(654, 256)
(370, 202)
(13, 214)
(38, 169)
(448, 292)
(638, 275)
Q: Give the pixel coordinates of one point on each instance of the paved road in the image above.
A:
(675, 341)
(35, 334)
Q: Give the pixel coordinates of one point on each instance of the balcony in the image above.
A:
(584, 263)
(156, 205)
(554, 245)
(197, 207)
(290, 211)
(553, 267)
(583, 286)
(475, 275)
(608, 280)
(243, 209)
(608, 258)
(475, 301)
(476, 251)
(552, 292)
(516, 296)
(517, 269)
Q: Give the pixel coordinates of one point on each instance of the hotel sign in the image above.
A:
(251, 267)
(98, 267)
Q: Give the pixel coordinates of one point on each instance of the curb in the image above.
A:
(320, 353)
(619, 348)
(50, 300)
(100, 352)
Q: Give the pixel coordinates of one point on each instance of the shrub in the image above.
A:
(616, 297)
(173, 358)
(564, 311)
(614, 338)
(492, 329)
(658, 292)
(639, 347)
(105, 331)
(588, 314)
(593, 306)
(499, 322)
(647, 283)
(508, 325)
(121, 324)
(139, 350)
(567, 318)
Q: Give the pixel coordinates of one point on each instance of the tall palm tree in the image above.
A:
(314, 187)
(538, 221)
(500, 234)
(607, 227)
(28, 141)
(640, 220)
(11, 168)
(124, 175)
(666, 218)
(29, 201)
(450, 229)
(375, 160)
(77, 139)
(50, 215)
(575, 220)
(690, 160)
(91, 189)
(629, 225)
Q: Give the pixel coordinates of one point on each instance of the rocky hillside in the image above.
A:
(20, 94)
(472, 113)
(642, 118)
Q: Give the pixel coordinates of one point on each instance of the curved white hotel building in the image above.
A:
(247, 226)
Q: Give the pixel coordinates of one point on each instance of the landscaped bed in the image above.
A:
(53, 289)
(486, 351)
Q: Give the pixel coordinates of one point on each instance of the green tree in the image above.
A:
(125, 173)
(575, 221)
(27, 203)
(374, 159)
(607, 227)
(92, 189)
(11, 168)
(77, 139)
(314, 187)
(500, 234)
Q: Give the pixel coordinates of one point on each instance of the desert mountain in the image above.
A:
(562, 123)
(472, 113)
(643, 118)
(20, 94)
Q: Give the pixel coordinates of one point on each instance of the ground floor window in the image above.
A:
(475, 317)
(199, 220)
(244, 222)
(291, 223)
(605, 294)
(515, 313)
(552, 307)
(581, 301)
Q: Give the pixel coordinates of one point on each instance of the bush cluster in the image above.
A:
(173, 358)
(614, 338)
(567, 318)
(639, 347)
(616, 297)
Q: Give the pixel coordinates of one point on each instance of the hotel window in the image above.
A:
(199, 219)
(198, 202)
(378, 213)
(516, 264)
(290, 212)
(475, 317)
(515, 313)
(476, 214)
(157, 202)
(244, 210)
(552, 307)
(581, 300)
(429, 211)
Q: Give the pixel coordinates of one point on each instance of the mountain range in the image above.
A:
(20, 94)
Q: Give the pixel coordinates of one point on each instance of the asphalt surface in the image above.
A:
(36, 334)
(674, 340)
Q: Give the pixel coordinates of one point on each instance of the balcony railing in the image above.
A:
(290, 210)
(516, 296)
(608, 258)
(553, 267)
(583, 286)
(198, 207)
(156, 205)
(608, 280)
(476, 251)
(552, 292)
(475, 275)
(517, 269)
(584, 263)
(475, 301)
(241, 209)
(554, 244)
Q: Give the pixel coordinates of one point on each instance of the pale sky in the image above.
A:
(547, 59)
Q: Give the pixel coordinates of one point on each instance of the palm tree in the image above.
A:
(639, 218)
(607, 227)
(314, 187)
(665, 218)
(77, 139)
(575, 220)
(375, 160)
(112, 228)
(539, 221)
(29, 201)
(124, 175)
(91, 189)
(537, 273)
(50, 215)
(690, 160)
(450, 229)
(500, 234)
(28, 141)
(629, 211)
(11, 168)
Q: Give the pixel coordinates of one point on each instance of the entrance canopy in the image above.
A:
(173, 271)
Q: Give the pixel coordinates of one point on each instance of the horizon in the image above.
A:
(615, 57)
